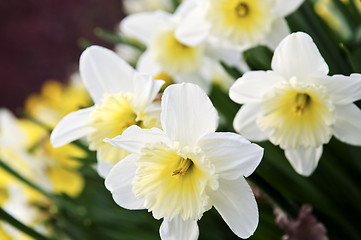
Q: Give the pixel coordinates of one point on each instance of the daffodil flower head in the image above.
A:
(167, 56)
(180, 172)
(122, 97)
(296, 105)
(238, 24)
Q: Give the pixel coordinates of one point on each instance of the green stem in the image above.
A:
(19, 225)
(4, 166)
(113, 38)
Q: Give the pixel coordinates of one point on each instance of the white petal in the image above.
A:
(197, 78)
(253, 85)
(235, 201)
(144, 25)
(187, 113)
(304, 160)
(228, 56)
(103, 168)
(103, 71)
(347, 127)
(184, 9)
(178, 229)
(245, 122)
(279, 31)
(119, 183)
(134, 138)
(297, 55)
(343, 89)
(10, 132)
(148, 64)
(73, 126)
(285, 7)
(145, 90)
(232, 155)
(194, 28)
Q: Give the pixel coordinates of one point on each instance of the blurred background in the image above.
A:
(42, 40)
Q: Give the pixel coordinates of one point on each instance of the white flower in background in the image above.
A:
(296, 105)
(167, 56)
(122, 98)
(135, 6)
(237, 24)
(179, 172)
(13, 151)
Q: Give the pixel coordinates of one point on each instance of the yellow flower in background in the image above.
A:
(60, 165)
(122, 97)
(56, 100)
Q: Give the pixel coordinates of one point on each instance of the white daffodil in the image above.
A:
(167, 56)
(237, 24)
(122, 98)
(179, 172)
(296, 105)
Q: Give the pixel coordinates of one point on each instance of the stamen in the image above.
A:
(242, 9)
(183, 167)
(302, 100)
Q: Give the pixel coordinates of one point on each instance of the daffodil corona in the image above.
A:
(180, 172)
(296, 105)
(122, 98)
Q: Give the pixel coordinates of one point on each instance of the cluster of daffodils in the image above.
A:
(153, 127)
(25, 148)
(160, 151)
(165, 155)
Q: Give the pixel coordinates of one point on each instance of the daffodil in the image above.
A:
(238, 24)
(180, 172)
(122, 97)
(57, 100)
(166, 55)
(297, 105)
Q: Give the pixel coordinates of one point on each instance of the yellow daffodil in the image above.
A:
(180, 172)
(296, 105)
(122, 97)
(238, 24)
(56, 100)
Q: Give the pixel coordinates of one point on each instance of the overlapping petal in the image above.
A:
(297, 55)
(103, 71)
(304, 160)
(134, 138)
(285, 7)
(235, 201)
(253, 85)
(245, 122)
(348, 124)
(187, 114)
(232, 155)
(119, 183)
(178, 229)
(141, 25)
(73, 126)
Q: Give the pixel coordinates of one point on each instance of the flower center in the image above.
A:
(109, 120)
(174, 56)
(242, 9)
(302, 101)
(240, 22)
(297, 115)
(172, 185)
(183, 167)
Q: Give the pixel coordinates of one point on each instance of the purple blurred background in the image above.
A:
(40, 41)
